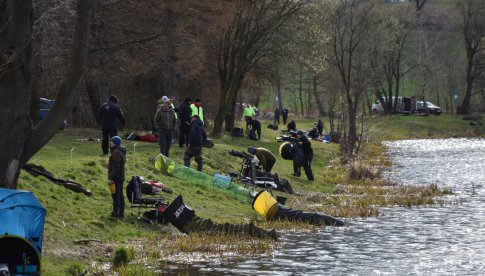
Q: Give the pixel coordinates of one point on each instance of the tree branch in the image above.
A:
(118, 46)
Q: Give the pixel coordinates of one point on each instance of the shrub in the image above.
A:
(122, 256)
(75, 269)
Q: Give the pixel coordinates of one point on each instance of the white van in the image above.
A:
(404, 106)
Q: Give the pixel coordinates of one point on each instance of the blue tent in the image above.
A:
(21, 228)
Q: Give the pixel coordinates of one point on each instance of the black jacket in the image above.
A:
(197, 135)
(284, 112)
(306, 146)
(320, 126)
(291, 125)
(116, 165)
(109, 114)
(255, 125)
(185, 112)
(277, 112)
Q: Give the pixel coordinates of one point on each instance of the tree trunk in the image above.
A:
(19, 141)
(278, 90)
(465, 105)
(300, 91)
(318, 102)
(171, 46)
(15, 77)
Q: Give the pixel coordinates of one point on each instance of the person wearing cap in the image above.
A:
(196, 139)
(248, 114)
(165, 121)
(266, 158)
(196, 107)
(116, 175)
(111, 118)
(303, 156)
(185, 113)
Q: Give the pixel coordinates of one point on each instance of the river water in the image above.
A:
(436, 240)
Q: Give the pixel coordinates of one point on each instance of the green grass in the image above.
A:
(73, 216)
(412, 127)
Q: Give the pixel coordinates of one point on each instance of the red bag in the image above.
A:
(148, 138)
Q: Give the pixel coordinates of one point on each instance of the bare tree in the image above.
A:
(387, 56)
(350, 21)
(21, 139)
(241, 45)
(473, 16)
(420, 4)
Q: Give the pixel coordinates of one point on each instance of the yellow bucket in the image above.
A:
(112, 187)
(265, 205)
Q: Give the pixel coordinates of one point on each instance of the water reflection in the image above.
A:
(440, 240)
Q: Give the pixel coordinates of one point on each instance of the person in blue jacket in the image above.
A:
(196, 139)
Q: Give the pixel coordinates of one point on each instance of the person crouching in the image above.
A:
(196, 139)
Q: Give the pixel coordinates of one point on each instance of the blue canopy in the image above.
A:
(21, 214)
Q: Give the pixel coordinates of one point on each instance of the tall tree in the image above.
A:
(21, 139)
(242, 44)
(349, 22)
(389, 39)
(473, 16)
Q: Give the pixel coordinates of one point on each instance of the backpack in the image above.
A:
(313, 133)
(208, 143)
(237, 132)
(252, 135)
(273, 126)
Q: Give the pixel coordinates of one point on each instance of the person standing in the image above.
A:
(116, 175)
(266, 158)
(303, 156)
(185, 112)
(277, 116)
(165, 121)
(255, 128)
(320, 127)
(197, 109)
(284, 114)
(196, 139)
(111, 117)
(248, 114)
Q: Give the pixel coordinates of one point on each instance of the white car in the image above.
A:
(377, 107)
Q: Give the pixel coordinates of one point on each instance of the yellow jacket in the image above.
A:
(197, 111)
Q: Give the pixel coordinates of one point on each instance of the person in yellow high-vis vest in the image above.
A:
(196, 107)
(248, 114)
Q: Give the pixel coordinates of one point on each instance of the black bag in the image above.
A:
(133, 189)
(313, 133)
(179, 214)
(208, 143)
(252, 135)
(273, 126)
(237, 132)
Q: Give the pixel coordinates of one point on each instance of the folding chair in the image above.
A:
(134, 194)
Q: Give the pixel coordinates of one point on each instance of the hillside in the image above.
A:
(73, 216)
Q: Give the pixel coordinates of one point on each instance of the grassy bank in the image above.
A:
(344, 191)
